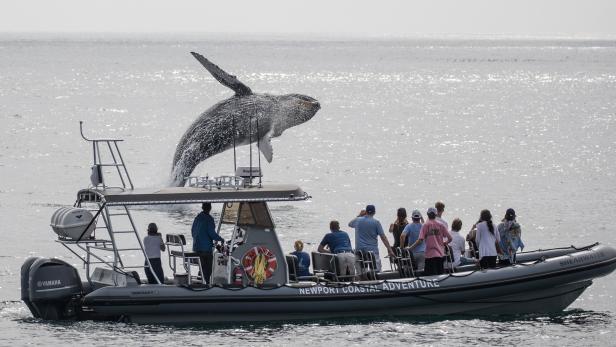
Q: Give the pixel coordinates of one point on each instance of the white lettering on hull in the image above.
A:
(385, 287)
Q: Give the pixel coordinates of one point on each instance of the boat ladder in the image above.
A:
(126, 258)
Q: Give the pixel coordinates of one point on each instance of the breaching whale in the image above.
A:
(241, 119)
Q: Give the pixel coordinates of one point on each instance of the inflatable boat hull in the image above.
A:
(542, 286)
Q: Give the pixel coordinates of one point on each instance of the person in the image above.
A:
(397, 227)
(440, 209)
(204, 234)
(434, 234)
(458, 245)
(367, 228)
(510, 234)
(472, 242)
(303, 259)
(336, 241)
(487, 240)
(410, 234)
(153, 244)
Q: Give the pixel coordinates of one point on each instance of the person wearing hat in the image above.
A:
(204, 234)
(367, 230)
(510, 234)
(153, 244)
(410, 234)
(433, 234)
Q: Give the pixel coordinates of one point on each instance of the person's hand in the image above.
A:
(390, 252)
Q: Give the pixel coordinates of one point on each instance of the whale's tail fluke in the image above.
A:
(222, 76)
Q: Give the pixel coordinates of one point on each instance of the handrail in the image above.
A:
(93, 140)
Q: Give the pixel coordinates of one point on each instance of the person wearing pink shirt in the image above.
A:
(436, 237)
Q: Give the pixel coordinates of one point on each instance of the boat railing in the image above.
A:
(113, 159)
(212, 183)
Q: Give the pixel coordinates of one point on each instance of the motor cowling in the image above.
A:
(52, 289)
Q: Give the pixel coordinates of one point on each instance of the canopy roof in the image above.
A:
(191, 195)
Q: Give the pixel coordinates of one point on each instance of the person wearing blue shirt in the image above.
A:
(337, 241)
(204, 234)
(367, 230)
(303, 260)
(411, 234)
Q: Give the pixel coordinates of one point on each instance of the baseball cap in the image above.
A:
(416, 214)
(432, 210)
(370, 209)
(510, 214)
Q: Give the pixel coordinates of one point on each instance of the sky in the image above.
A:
(555, 18)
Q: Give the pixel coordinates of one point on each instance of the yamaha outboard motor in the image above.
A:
(51, 288)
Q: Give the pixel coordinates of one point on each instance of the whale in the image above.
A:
(244, 118)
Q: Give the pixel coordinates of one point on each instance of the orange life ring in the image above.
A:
(259, 263)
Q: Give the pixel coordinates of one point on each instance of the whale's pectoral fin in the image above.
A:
(222, 76)
(265, 145)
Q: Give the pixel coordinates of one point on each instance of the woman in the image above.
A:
(153, 244)
(303, 259)
(487, 241)
(510, 234)
(397, 227)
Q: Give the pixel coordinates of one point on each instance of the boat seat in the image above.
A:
(176, 246)
(292, 267)
(366, 262)
(323, 263)
(404, 262)
(335, 267)
(448, 265)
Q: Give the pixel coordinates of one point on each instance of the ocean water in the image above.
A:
(476, 123)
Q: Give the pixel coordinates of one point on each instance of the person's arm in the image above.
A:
(211, 228)
(391, 228)
(403, 238)
(415, 244)
(322, 245)
(448, 235)
(390, 251)
(194, 230)
(162, 244)
(499, 250)
(353, 222)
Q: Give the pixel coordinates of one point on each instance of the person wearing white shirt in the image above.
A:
(458, 245)
(488, 239)
(440, 208)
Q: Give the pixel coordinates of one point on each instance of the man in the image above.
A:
(440, 208)
(337, 241)
(367, 228)
(410, 234)
(433, 233)
(204, 234)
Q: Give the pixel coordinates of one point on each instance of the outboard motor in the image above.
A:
(51, 288)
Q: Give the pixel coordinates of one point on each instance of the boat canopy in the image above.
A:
(191, 195)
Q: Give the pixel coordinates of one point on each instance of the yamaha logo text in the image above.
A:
(48, 283)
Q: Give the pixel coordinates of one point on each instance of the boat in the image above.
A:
(252, 278)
